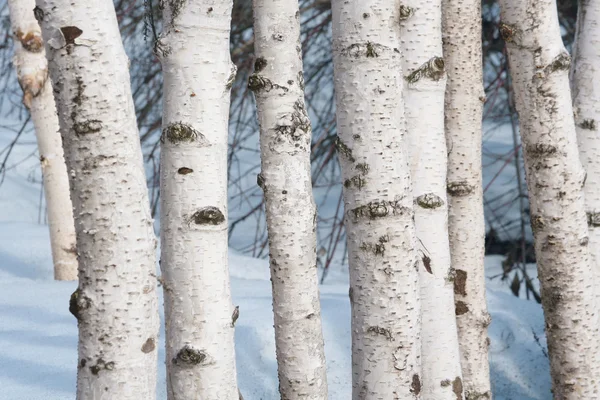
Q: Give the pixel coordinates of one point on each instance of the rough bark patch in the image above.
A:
(343, 149)
(102, 365)
(258, 83)
(376, 248)
(357, 181)
(406, 12)
(362, 167)
(430, 201)
(184, 171)
(369, 50)
(179, 132)
(415, 386)
(588, 124)
(459, 189)
(86, 127)
(378, 330)
(148, 346)
(460, 282)
(509, 32)
(379, 209)
(78, 303)
(477, 396)
(593, 219)
(231, 78)
(460, 308)
(71, 33)
(208, 216)
(189, 356)
(541, 149)
(561, 62)
(432, 69)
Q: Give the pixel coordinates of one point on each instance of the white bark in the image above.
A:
(585, 86)
(198, 72)
(285, 139)
(425, 83)
(32, 72)
(115, 304)
(539, 66)
(461, 29)
(384, 291)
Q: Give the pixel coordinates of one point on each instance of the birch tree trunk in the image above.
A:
(539, 66)
(285, 139)
(198, 74)
(461, 30)
(585, 86)
(425, 83)
(115, 304)
(32, 73)
(384, 285)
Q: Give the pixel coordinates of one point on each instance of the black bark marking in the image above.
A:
(460, 308)
(102, 365)
(39, 14)
(406, 12)
(459, 189)
(149, 345)
(78, 303)
(178, 132)
(184, 171)
(460, 282)
(593, 219)
(541, 150)
(259, 64)
(427, 263)
(429, 201)
(343, 149)
(368, 49)
(208, 216)
(235, 315)
(71, 33)
(415, 386)
(189, 357)
(433, 69)
(86, 127)
(588, 124)
(379, 209)
(561, 62)
(378, 330)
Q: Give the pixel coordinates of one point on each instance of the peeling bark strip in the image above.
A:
(464, 98)
(285, 138)
(424, 88)
(378, 197)
(539, 65)
(115, 238)
(32, 74)
(200, 362)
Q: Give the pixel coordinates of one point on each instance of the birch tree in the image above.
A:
(198, 74)
(32, 73)
(115, 303)
(585, 86)
(285, 143)
(425, 83)
(384, 291)
(539, 67)
(461, 29)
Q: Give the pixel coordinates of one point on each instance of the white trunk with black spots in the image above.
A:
(198, 73)
(461, 31)
(585, 86)
(115, 304)
(424, 86)
(285, 138)
(384, 284)
(32, 73)
(539, 66)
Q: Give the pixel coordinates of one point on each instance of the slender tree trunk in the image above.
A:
(585, 86)
(285, 139)
(198, 73)
(539, 67)
(425, 83)
(461, 28)
(32, 72)
(384, 285)
(115, 304)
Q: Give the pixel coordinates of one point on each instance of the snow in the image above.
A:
(38, 335)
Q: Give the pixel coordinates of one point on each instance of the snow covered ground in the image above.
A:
(38, 335)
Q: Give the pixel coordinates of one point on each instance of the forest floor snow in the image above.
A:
(38, 335)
